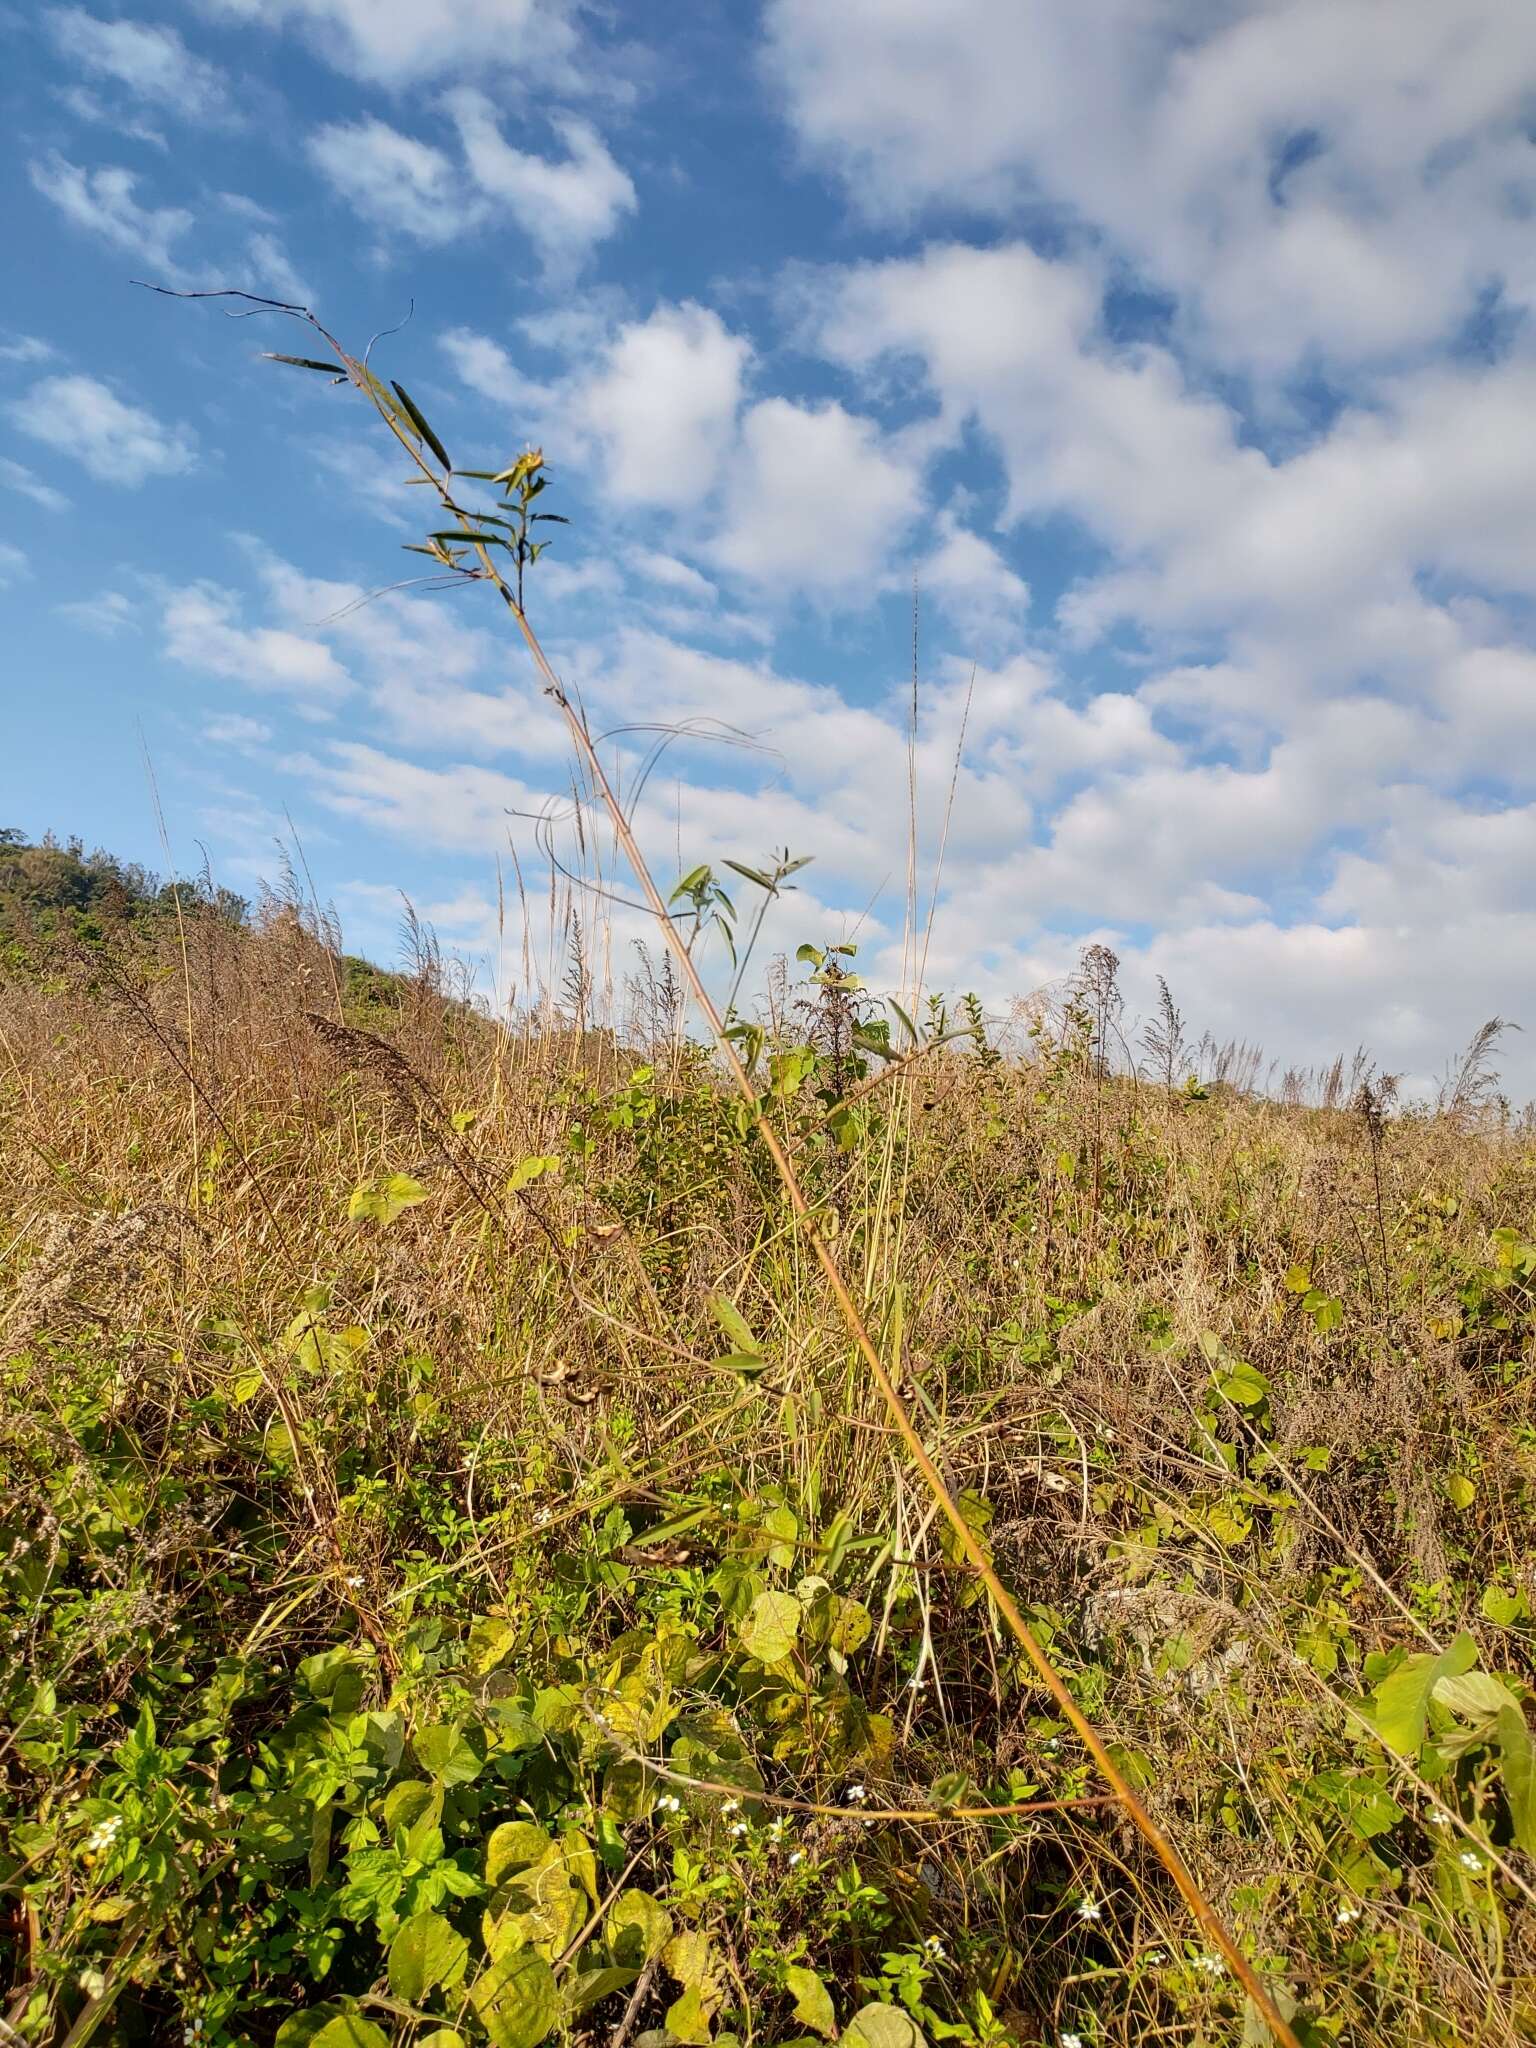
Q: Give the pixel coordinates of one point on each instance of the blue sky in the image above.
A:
(1181, 352)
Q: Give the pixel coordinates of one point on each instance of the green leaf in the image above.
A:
(517, 1999)
(1298, 1280)
(1326, 1310)
(333, 370)
(529, 1170)
(1460, 1490)
(381, 1201)
(734, 1324)
(305, 2029)
(349, 2030)
(1475, 1696)
(813, 2002)
(513, 1846)
(639, 1927)
(883, 2026)
(811, 954)
(686, 2019)
(1400, 1708)
(747, 1363)
(754, 875)
(1503, 1606)
(1517, 1755)
(421, 426)
(1241, 1384)
(769, 1628)
(586, 1987)
(451, 1756)
(426, 1952)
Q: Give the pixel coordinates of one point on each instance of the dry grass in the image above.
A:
(1058, 1261)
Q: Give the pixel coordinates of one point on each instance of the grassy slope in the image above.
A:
(332, 1546)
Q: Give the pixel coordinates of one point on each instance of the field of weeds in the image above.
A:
(460, 1583)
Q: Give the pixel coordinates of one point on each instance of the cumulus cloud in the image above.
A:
(393, 180)
(203, 630)
(814, 499)
(112, 440)
(1302, 182)
(662, 405)
(567, 204)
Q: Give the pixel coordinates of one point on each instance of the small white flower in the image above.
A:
(1212, 1966)
(1071, 2041)
(1053, 1744)
(354, 1579)
(935, 1948)
(1439, 1819)
(738, 1827)
(1469, 1861)
(1345, 1914)
(796, 1855)
(92, 1983)
(1155, 1955)
(776, 1829)
(541, 1519)
(856, 1793)
(917, 1683)
(670, 1803)
(1089, 1909)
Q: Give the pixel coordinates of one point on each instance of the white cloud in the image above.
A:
(15, 476)
(565, 205)
(150, 60)
(113, 441)
(14, 566)
(103, 203)
(203, 631)
(814, 500)
(105, 613)
(1302, 181)
(400, 42)
(270, 271)
(27, 348)
(662, 406)
(234, 729)
(485, 367)
(986, 602)
(393, 180)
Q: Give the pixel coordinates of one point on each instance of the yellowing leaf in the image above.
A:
(769, 1628)
(426, 1951)
(381, 1201)
(813, 2002)
(686, 2019)
(883, 2026)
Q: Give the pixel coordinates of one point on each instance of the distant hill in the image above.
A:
(51, 889)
